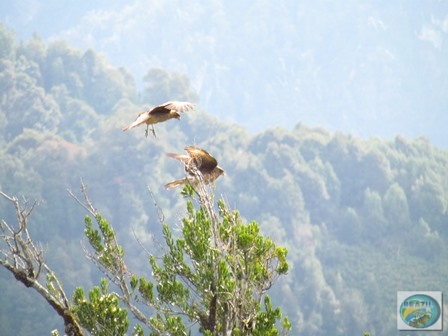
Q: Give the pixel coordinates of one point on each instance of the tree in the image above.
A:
(7, 43)
(214, 276)
(161, 86)
(396, 207)
(104, 86)
(25, 260)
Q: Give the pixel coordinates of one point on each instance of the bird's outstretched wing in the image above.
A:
(178, 106)
(201, 159)
(197, 160)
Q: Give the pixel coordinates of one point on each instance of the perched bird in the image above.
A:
(169, 110)
(196, 161)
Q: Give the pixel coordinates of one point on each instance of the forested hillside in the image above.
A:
(361, 218)
(369, 68)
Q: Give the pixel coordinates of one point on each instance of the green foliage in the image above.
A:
(7, 43)
(216, 273)
(266, 320)
(100, 314)
(161, 86)
(110, 254)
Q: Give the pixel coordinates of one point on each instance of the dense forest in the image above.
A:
(361, 218)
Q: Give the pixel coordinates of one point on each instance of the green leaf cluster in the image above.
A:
(110, 254)
(100, 314)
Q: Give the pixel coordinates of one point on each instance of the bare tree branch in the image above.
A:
(24, 259)
(118, 274)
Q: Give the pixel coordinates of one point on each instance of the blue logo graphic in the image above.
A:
(420, 311)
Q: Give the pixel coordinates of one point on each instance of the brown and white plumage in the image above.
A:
(164, 112)
(196, 161)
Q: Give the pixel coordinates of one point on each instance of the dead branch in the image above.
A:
(25, 260)
(118, 274)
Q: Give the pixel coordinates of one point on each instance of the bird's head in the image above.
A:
(219, 171)
(176, 115)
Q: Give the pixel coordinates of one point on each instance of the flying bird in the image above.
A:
(169, 110)
(196, 161)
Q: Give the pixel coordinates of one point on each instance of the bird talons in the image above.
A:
(153, 131)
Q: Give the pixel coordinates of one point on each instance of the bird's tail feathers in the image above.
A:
(134, 124)
(180, 157)
(175, 183)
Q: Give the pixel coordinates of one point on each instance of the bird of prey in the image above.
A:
(199, 164)
(169, 110)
